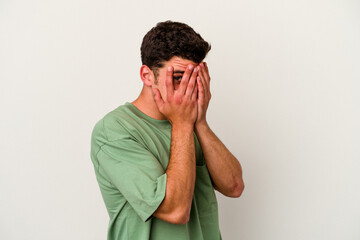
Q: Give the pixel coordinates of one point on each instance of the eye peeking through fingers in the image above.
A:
(177, 77)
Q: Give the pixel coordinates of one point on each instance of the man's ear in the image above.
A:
(147, 76)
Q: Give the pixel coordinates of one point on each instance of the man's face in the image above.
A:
(179, 65)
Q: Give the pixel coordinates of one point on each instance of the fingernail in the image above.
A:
(196, 69)
(191, 67)
(169, 69)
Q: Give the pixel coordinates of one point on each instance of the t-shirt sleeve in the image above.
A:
(137, 174)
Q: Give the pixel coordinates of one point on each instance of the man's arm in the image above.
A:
(180, 108)
(224, 168)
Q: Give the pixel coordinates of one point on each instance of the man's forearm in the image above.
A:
(224, 168)
(181, 173)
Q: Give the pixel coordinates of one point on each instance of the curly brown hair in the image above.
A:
(168, 39)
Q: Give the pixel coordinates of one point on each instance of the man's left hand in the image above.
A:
(204, 94)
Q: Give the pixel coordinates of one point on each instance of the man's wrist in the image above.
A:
(201, 126)
(183, 126)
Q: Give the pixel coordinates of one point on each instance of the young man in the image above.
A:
(156, 160)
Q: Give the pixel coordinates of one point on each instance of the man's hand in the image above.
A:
(204, 94)
(224, 168)
(179, 106)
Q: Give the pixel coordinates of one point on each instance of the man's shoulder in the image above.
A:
(119, 114)
(114, 124)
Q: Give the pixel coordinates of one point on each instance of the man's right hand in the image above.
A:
(179, 106)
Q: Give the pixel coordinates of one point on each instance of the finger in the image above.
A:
(202, 77)
(206, 72)
(206, 67)
(201, 92)
(192, 82)
(157, 97)
(185, 79)
(195, 93)
(206, 77)
(169, 81)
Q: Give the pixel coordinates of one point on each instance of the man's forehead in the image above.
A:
(179, 63)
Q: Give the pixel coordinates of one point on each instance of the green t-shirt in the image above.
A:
(130, 152)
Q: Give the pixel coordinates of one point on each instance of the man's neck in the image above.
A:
(146, 104)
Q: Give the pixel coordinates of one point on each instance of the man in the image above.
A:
(156, 160)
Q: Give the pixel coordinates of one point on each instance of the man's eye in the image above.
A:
(177, 78)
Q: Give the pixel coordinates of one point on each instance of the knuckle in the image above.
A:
(184, 83)
(191, 85)
(178, 99)
(185, 78)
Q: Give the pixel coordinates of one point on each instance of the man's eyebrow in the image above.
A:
(179, 72)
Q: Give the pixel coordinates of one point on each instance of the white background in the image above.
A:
(285, 84)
